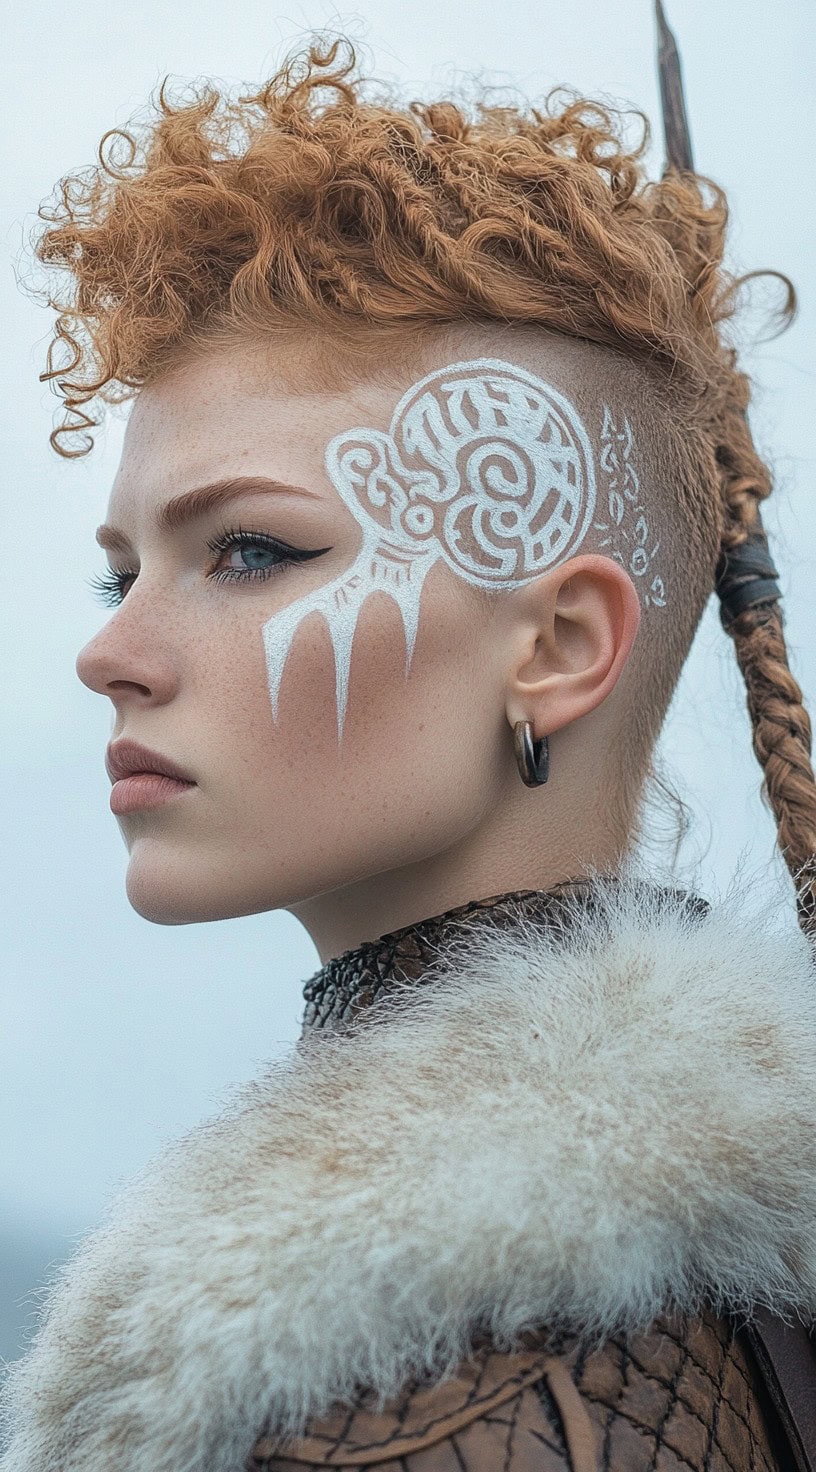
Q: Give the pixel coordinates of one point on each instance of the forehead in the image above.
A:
(236, 411)
(248, 407)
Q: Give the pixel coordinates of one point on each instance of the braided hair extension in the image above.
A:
(750, 613)
(746, 579)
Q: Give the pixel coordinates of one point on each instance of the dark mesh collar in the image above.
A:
(353, 981)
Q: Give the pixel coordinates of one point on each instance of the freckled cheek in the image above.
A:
(290, 788)
(308, 693)
(252, 751)
(231, 663)
(393, 725)
(231, 707)
(399, 735)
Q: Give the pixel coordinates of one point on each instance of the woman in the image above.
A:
(436, 449)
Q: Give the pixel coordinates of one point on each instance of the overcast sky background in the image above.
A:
(116, 1034)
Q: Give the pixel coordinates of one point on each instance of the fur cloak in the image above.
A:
(575, 1135)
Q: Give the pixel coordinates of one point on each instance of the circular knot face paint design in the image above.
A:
(484, 465)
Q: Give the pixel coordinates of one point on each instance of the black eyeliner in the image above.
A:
(109, 586)
(239, 536)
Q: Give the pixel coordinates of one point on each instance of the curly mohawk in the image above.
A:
(306, 203)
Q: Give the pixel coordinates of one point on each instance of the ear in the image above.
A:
(575, 628)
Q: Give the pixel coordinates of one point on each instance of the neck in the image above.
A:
(518, 856)
(362, 976)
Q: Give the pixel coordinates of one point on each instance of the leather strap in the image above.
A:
(579, 1434)
(786, 1356)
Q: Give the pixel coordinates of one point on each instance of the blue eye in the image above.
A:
(260, 555)
(254, 557)
(251, 555)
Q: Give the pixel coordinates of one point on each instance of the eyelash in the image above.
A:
(109, 586)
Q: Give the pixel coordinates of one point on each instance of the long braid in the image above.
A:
(781, 725)
(746, 577)
(751, 614)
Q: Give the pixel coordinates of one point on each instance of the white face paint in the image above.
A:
(484, 467)
(627, 530)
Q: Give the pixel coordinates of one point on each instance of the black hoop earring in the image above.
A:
(533, 757)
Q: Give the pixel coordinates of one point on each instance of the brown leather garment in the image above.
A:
(684, 1397)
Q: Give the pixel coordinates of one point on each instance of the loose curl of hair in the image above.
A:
(314, 203)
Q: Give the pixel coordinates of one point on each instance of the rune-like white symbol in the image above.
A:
(626, 530)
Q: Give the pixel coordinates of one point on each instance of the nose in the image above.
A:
(123, 663)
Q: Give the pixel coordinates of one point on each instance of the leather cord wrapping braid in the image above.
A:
(746, 576)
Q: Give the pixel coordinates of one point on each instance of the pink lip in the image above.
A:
(142, 778)
(126, 758)
(145, 790)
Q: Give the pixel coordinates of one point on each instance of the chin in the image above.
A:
(190, 886)
(167, 906)
(176, 892)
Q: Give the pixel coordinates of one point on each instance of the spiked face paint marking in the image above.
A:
(484, 467)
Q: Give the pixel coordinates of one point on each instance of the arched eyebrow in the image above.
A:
(199, 502)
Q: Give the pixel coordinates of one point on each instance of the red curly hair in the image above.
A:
(314, 204)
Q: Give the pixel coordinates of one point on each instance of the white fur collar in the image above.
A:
(578, 1138)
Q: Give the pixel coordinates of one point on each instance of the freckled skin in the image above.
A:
(421, 806)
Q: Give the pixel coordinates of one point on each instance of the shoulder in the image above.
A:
(578, 1135)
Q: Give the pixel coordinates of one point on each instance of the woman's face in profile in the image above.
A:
(284, 804)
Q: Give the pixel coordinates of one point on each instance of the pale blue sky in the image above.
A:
(114, 1033)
